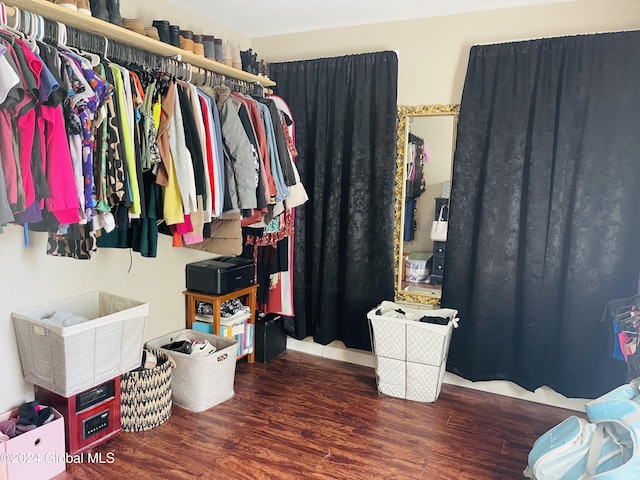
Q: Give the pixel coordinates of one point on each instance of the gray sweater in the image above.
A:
(239, 160)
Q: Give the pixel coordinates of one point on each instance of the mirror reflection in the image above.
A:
(426, 140)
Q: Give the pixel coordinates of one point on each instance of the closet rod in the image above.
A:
(90, 24)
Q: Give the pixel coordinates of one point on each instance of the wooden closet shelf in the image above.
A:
(80, 21)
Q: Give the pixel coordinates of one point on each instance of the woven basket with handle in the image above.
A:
(146, 395)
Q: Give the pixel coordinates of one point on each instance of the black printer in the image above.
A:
(219, 276)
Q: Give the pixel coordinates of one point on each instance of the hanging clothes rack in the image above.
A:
(129, 56)
(95, 34)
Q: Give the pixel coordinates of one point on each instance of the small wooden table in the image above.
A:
(250, 293)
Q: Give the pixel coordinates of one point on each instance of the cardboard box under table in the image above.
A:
(71, 359)
(410, 356)
(201, 382)
(38, 454)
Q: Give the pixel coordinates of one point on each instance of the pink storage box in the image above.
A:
(35, 455)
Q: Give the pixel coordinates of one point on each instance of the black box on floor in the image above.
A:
(271, 339)
(218, 276)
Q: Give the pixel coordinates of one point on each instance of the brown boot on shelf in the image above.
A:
(186, 44)
(70, 4)
(198, 49)
(198, 45)
(99, 10)
(152, 32)
(83, 7)
(186, 40)
(134, 24)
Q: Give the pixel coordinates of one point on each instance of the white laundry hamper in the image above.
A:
(410, 356)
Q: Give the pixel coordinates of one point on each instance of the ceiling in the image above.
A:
(257, 18)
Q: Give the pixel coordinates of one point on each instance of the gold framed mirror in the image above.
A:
(435, 126)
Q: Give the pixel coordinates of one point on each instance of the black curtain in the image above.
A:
(545, 211)
(345, 121)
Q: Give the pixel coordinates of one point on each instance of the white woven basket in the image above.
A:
(69, 360)
(201, 382)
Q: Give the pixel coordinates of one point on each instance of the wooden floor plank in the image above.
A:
(302, 416)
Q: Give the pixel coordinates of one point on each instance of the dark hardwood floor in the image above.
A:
(302, 416)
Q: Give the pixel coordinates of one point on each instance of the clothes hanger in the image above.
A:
(61, 43)
(49, 32)
(105, 58)
(38, 26)
(202, 75)
(30, 29)
(23, 28)
(61, 40)
(182, 69)
(15, 29)
(205, 78)
(88, 58)
(175, 69)
(260, 87)
(41, 24)
(24, 25)
(92, 58)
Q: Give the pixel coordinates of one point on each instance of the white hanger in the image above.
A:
(23, 28)
(205, 78)
(61, 39)
(15, 29)
(91, 58)
(29, 29)
(61, 32)
(40, 28)
(173, 64)
(94, 60)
